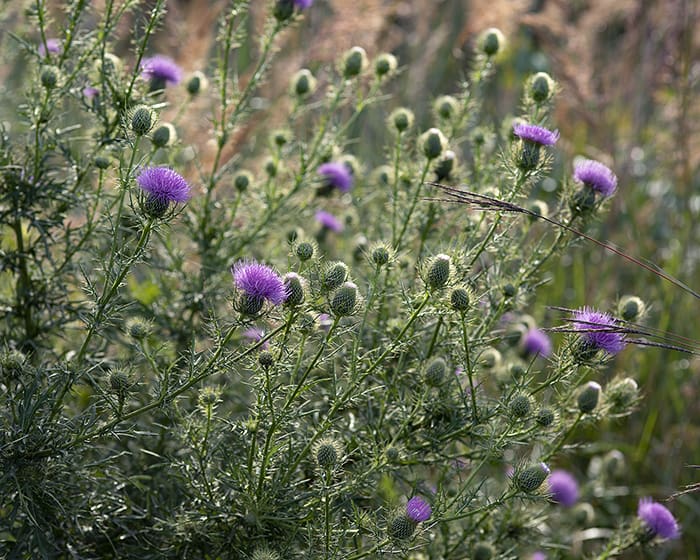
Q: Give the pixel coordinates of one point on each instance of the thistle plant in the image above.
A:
(213, 350)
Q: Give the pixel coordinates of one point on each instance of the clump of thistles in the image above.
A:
(657, 519)
(596, 176)
(162, 187)
(257, 283)
(599, 331)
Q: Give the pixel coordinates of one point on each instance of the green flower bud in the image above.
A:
(119, 382)
(439, 272)
(583, 201)
(393, 455)
(433, 143)
(344, 301)
(444, 165)
(631, 308)
(401, 527)
(588, 397)
(296, 291)
(12, 363)
(545, 417)
(102, 162)
(250, 305)
(435, 372)
(614, 464)
(197, 83)
(490, 358)
(542, 87)
(138, 328)
(530, 479)
(303, 83)
(164, 135)
(384, 65)
(622, 395)
(242, 180)
(383, 175)
(328, 452)
(509, 290)
(142, 120)
(266, 359)
(401, 119)
(305, 250)
(354, 62)
(270, 166)
(538, 207)
(491, 41)
(335, 274)
(262, 552)
(520, 406)
(283, 10)
(209, 397)
(446, 107)
(281, 137)
(49, 77)
(381, 254)
(483, 551)
(460, 300)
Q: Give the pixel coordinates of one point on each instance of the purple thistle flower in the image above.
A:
(161, 69)
(91, 92)
(303, 4)
(536, 134)
(52, 45)
(563, 487)
(163, 185)
(417, 509)
(259, 282)
(336, 175)
(596, 176)
(539, 555)
(537, 341)
(329, 221)
(599, 330)
(255, 334)
(658, 519)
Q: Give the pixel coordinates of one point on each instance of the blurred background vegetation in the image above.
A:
(629, 73)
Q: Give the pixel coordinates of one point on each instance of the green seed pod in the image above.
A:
(435, 372)
(401, 527)
(631, 308)
(401, 119)
(530, 479)
(344, 301)
(385, 65)
(545, 417)
(296, 291)
(491, 41)
(354, 62)
(433, 143)
(542, 87)
(588, 397)
(304, 251)
(303, 83)
(460, 300)
(439, 272)
(197, 83)
(520, 406)
(483, 551)
(242, 180)
(142, 120)
(164, 135)
(335, 274)
(266, 359)
(446, 107)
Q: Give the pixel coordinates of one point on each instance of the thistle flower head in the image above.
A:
(303, 4)
(418, 510)
(658, 519)
(163, 187)
(161, 69)
(536, 134)
(536, 341)
(596, 176)
(563, 487)
(52, 46)
(336, 174)
(329, 221)
(599, 330)
(259, 282)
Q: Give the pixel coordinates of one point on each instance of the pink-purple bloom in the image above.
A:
(336, 174)
(52, 45)
(417, 509)
(163, 185)
(563, 487)
(596, 176)
(536, 341)
(536, 134)
(91, 92)
(658, 519)
(599, 330)
(303, 4)
(259, 282)
(539, 555)
(329, 221)
(255, 334)
(162, 69)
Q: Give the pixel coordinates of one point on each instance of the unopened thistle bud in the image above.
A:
(381, 254)
(281, 137)
(164, 135)
(335, 274)
(460, 300)
(483, 551)
(304, 250)
(393, 455)
(539, 208)
(283, 10)
(142, 120)
(119, 382)
(401, 119)
(541, 87)
(445, 165)
(401, 527)
(296, 291)
(266, 359)
(344, 301)
(49, 77)
(631, 308)
(12, 363)
(102, 162)
(446, 107)
(545, 417)
(509, 290)
(303, 83)
(531, 478)
(271, 167)
(328, 452)
(264, 553)
(209, 397)
(385, 65)
(242, 180)
(588, 397)
(439, 272)
(354, 62)
(622, 394)
(520, 406)
(490, 358)
(197, 83)
(491, 41)
(433, 143)
(138, 328)
(435, 372)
